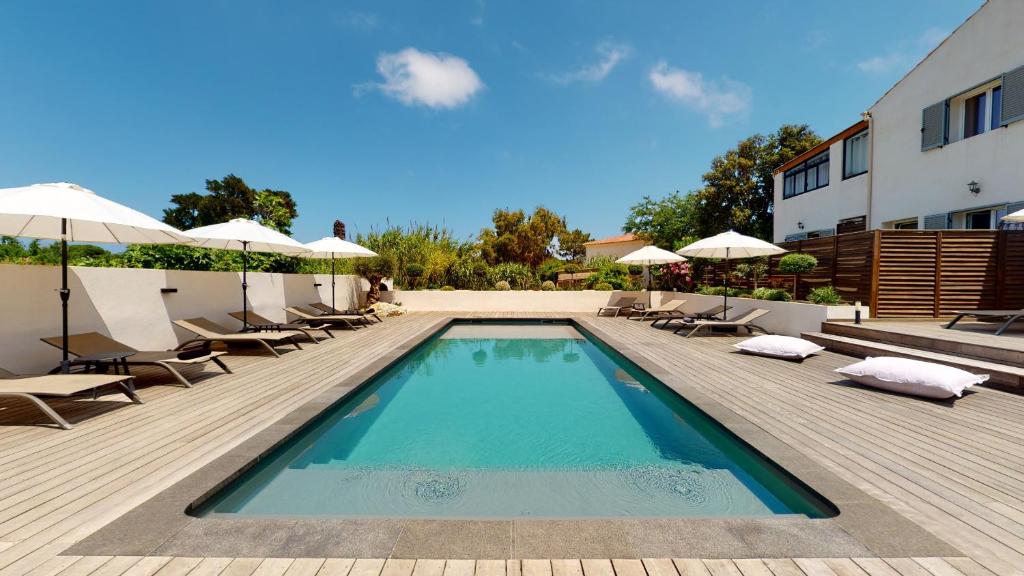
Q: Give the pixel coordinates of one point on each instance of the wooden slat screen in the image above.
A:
(968, 265)
(906, 273)
(1012, 270)
(921, 273)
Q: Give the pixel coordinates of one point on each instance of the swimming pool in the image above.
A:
(510, 420)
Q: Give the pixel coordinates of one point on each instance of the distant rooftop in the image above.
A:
(629, 237)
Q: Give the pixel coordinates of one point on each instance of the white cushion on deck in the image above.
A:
(778, 346)
(914, 377)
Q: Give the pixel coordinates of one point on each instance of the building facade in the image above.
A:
(942, 149)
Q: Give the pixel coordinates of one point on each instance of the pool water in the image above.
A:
(514, 420)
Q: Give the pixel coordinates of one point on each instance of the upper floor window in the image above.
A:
(855, 155)
(997, 107)
(974, 115)
(806, 176)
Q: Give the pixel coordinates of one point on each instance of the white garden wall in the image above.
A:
(127, 304)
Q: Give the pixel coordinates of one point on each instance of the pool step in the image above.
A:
(1002, 375)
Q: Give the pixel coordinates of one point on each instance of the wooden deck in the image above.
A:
(955, 469)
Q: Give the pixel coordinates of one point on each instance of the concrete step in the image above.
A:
(950, 345)
(1001, 375)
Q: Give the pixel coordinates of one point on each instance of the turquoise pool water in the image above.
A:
(514, 420)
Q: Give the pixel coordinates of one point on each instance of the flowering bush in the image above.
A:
(675, 276)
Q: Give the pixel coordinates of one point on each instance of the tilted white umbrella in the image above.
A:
(650, 256)
(245, 235)
(71, 213)
(331, 247)
(1017, 216)
(729, 246)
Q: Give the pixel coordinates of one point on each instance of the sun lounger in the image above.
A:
(617, 304)
(671, 309)
(256, 323)
(337, 319)
(34, 388)
(744, 320)
(706, 314)
(1011, 316)
(329, 311)
(91, 343)
(210, 331)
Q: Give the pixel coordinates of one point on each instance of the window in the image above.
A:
(997, 106)
(855, 155)
(974, 115)
(905, 225)
(806, 176)
(981, 220)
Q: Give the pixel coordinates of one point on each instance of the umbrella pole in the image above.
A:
(245, 285)
(65, 295)
(332, 283)
(728, 267)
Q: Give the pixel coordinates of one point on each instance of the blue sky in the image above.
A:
(433, 112)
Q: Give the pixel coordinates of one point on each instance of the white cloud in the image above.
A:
(904, 56)
(611, 55)
(433, 80)
(719, 100)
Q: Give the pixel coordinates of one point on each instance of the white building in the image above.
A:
(614, 246)
(941, 149)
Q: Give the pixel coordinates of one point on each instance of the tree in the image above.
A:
(231, 198)
(518, 238)
(375, 269)
(668, 223)
(571, 244)
(739, 189)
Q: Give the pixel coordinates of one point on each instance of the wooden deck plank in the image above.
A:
(597, 567)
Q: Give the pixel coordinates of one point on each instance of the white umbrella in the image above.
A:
(332, 246)
(68, 212)
(245, 235)
(729, 246)
(1017, 216)
(650, 256)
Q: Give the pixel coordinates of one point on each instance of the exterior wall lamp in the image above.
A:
(800, 225)
(974, 187)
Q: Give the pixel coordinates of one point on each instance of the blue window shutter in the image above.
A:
(1013, 96)
(934, 120)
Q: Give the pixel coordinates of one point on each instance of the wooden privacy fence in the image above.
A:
(907, 273)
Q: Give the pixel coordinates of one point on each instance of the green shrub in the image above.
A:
(716, 291)
(447, 288)
(776, 294)
(603, 286)
(797, 263)
(635, 269)
(518, 276)
(547, 286)
(549, 269)
(414, 270)
(824, 295)
(502, 285)
(606, 271)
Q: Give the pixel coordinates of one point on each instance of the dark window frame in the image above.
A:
(811, 164)
(846, 142)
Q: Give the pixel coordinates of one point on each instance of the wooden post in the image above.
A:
(876, 256)
(937, 305)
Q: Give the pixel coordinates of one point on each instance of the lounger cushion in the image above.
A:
(779, 347)
(914, 377)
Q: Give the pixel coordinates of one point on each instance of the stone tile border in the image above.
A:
(161, 526)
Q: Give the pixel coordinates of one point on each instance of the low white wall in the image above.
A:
(127, 304)
(504, 300)
(790, 318)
